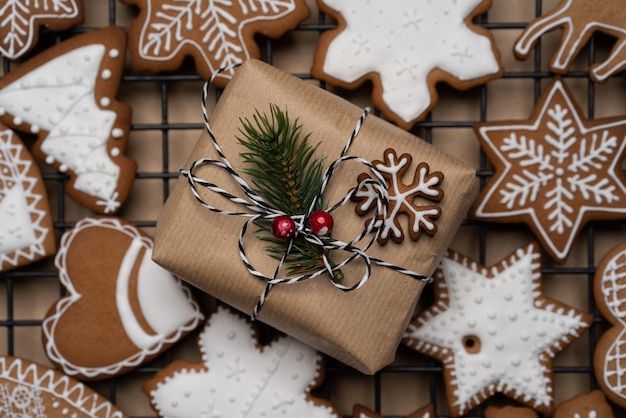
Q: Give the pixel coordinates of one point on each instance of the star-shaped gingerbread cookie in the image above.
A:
(361, 411)
(555, 171)
(20, 21)
(495, 331)
(216, 34)
(405, 49)
(580, 19)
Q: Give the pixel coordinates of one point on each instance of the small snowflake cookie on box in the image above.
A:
(495, 331)
(216, 34)
(238, 377)
(405, 48)
(21, 20)
(29, 390)
(66, 97)
(555, 171)
(579, 19)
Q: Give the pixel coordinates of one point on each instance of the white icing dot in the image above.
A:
(508, 296)
(17, 120)
(499, 345)
(63, 168)
(512, 316)
(220, 354)
(105, 102)
(55, 404)
(471, 323)
(49, 159)
(486, 363)
(187, 393)
(64, 411)
(299, 357)
(114, 53)
(294, 376)
(524, 336)
(478, 300)
(117, 133)
(115, 152)
(559, 171)
(174, 403)
(231, 335)
(34, 129)
(516, 361)
(492, 315)
(106, 74)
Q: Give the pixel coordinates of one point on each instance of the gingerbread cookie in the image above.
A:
(65, 96)
(20, 21)
(30, 390)
(579, 19)
(495, 331)
(555, 171)
(121, 308)
(608, 285)
(407, 199)
(26, 231)
(405, 49)
(238, 377)
(360, 411)
(216, 34)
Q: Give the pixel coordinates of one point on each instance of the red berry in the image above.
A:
(321, 223)
(283, 227)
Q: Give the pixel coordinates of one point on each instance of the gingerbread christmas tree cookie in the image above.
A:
(405, 49)
(238, 377)
(495, 331)
(217, 34)
(555, 171)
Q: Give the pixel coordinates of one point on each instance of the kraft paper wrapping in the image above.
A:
(361, 328)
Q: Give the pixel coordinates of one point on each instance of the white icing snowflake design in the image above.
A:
(237, 379)
(556, 171)
(213, 31)
(404, 43)
(494, 330)
(20, 20)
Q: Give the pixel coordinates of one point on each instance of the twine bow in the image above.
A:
(257, 209)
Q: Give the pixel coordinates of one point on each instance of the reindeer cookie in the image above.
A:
(579, 19)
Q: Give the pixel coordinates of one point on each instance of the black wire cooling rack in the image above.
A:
(412, 380)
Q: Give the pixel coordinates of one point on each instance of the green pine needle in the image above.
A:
(288, 175)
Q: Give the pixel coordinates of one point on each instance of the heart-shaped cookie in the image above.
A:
(26, 233)
(121, 309)
(31, 390)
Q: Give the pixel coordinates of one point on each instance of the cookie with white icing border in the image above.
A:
(121, 309)
(22, 19)
(66, 97)
(239, 377)
(579, 20)
(26, 230)
(216, 34)
(28, 389)
(405, 49)
(361, 411)
(495, 331)
(555, 171)
(608, 361)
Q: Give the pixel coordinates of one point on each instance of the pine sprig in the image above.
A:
(288, 175)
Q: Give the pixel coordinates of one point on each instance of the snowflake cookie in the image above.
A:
(360, 411)
(217, 34)
(20, 21)
(405, 48)
(580, 19)
(65, 96)
(29, 390)
(121, 308)
(609, 282)
(404, 198)
(238, 378)
(555, 171)
(26, 233)
(495, 331)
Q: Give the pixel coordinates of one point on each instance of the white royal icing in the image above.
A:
(24, 388)
(588, 20)
(18, 18)
(58, 97)
(240, 379)
(404, 41)
(168, 28)
(165, 303)
(573, 166)
(22, 235)
(516, 329)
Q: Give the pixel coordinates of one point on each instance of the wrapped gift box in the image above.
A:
(361, 328)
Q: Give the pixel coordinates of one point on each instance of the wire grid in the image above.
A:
(427, 368)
